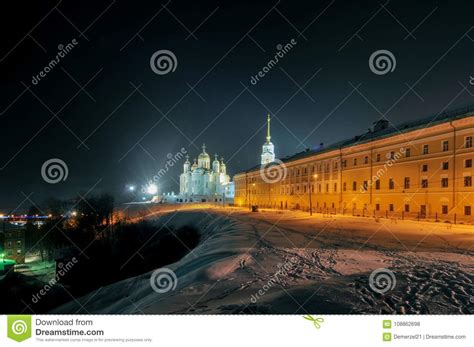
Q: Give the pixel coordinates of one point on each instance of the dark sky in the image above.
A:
(107, 133)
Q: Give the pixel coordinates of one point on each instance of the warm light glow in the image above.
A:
(74, 213)
(152, 189)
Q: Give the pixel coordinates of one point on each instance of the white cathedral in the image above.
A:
(201, 182)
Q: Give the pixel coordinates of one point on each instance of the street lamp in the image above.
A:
(309, 193)
(131, 188)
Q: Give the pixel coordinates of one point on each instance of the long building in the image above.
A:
(420, 169)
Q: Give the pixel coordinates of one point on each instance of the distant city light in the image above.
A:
(74, 213)
(131, 188)
(152, 189)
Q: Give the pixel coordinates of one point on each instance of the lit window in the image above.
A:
(468, 181)
(425, 149)
(444, 182)
(445, 146)
(468, 142)
(406, 183)
(391, 183)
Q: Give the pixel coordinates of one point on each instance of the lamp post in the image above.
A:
(309, 193)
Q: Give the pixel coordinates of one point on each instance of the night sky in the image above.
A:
(120, 127)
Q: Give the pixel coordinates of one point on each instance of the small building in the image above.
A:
(13, 241)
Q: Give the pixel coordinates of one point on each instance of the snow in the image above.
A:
(289, 262)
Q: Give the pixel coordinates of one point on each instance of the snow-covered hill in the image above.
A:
(277, 262)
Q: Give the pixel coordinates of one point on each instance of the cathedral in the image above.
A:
(203, 182)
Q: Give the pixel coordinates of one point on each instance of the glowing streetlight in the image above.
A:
(131, 188)
(152, 189)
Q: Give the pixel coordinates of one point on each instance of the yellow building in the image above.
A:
(421, 169)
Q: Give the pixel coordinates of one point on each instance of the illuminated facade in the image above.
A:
(420, 169)
(201, 182)
(268, 150)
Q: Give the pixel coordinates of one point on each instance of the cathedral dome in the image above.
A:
(204, 160)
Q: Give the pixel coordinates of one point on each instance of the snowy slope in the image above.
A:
(278, 263)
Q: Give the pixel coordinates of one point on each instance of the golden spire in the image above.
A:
(268, 127)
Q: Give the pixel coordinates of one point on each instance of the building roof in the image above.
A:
(371, 135)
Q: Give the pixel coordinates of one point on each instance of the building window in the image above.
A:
(408, 152)
(392, 155)
(445, 165)
(378, 157)
(354, 186)
(304, 188)
(344, 163)
(335, 187)
(327, 187)
(467, 210)
(377, 185)
(366, 160)
(354, 161)
(391, 183)
(366, 185)
(319, 188)
(468, 163)
(390, 207)
(344, 186)
(467, 181)
(444, 209)
(445, 146)
(444, 182)
(426, 149)
(424, 168)
(468, 142)
(424, 183)
(407, 208)
(406, 183)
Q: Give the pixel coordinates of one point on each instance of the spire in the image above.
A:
(204, 148)
(268, 128)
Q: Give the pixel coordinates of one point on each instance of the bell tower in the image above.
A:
(268, 150)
